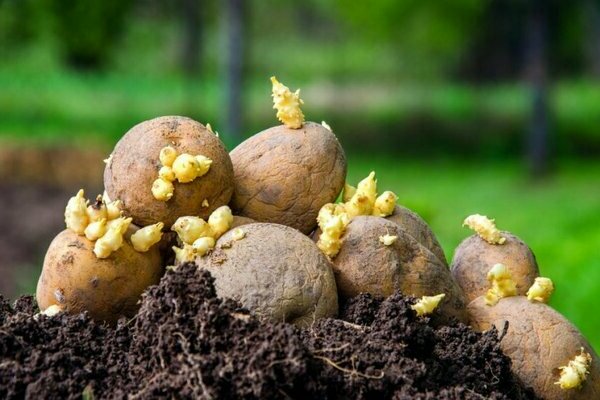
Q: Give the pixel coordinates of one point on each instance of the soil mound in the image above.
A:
(187, 343)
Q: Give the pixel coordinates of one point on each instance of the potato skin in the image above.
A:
(538, 341)
(76, 280)
(285, 176)
(274, 271)
(364, 264)
(416, 227)
(240, 221)
(474, 257)
(134, 166)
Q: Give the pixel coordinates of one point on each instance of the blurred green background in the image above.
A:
(461, 107)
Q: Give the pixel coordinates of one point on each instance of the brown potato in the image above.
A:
(275, 271)
(539, 340)
(134, 164)
(474, 257)
(76, 280)
(416, 227)
(285, 176)
(364, 264)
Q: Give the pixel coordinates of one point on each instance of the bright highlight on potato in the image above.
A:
(184, 168)
(147, 237)
(287, 105)
(541, 290)
(427, 304)
(387, 239)
(51, 311)
(575, 372)
(502, 284)
(485, 228)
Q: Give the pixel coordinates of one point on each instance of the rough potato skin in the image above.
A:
(416, 227)
(275, 271)
(76, 280)
(364, 264)
(285, 176)
(474, 257)
(538, 341)
(134, 166)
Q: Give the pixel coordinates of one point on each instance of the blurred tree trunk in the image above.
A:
(233, 22)
(537, 75)
(192, 36)
(592, 36)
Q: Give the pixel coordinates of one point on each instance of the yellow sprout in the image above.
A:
(209, 127)
(388, 239)
(96, 230)
(501, 283)
(220, 221)
(204, 164)
(186, 168)
(385, 204)
(76, 216)
(166, 173)
(113, 209)
(330, 239)
(112, 239)
(485, 228)
(147, 236)
(167, 156)
(52, 310)
(108, 159)
(184, 254)
(363, 200)
(205, 203)
(287, 105)
(541, 290)
(238, 234)
(349, 191)
(162, 189)
(202, 245)
(97, 210)
(427, 304)
(575, 373)
(326, 126)
(189, 229)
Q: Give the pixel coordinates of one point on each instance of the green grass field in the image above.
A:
(559, 218)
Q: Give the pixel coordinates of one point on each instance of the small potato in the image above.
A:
(474, 257)
(275, 271)
(539, 341)
(136, 161)
(416, 227)
(365, 264)
(76, 280)
(285, 175)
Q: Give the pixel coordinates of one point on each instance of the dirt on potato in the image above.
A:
(187, 343)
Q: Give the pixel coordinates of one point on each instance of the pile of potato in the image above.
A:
(266, 221)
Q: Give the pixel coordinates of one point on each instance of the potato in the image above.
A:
(134, 165)
(365, 264)
(539, 340)
(76, 280)
(416, 227)
(474, 257)
(275, 271)
(240, 221)
(285, 175)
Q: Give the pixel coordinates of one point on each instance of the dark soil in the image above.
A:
(187, 343)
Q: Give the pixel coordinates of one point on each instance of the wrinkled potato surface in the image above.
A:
(134, 165)
(474, 257)
(76, 280)
(539, 340)
(364, 264)
(285, 176)
(274, 271)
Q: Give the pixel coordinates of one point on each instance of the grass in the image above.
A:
(559, 217)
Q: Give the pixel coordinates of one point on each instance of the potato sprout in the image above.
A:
(202, 245)
(385, 204)
(167, 156)
(287, 105)
(333, 228)
(427, 304)
(96, 230)
(113, 208)
(326, 126)
(349, 191)
(238, 234)
(191, 228)
(502, 284)
(575, 373)
(76, 216)
(166, 173)
(146, 237)
(541, 290)
(51, 311)
(220, 221)
(162, 189)
(97, 211)
(388, 239)
(112, 239)
(485, 228)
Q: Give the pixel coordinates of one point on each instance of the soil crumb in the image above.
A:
(187, 343)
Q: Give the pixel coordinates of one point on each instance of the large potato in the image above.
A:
(275, 271)
(134, 165)
(539, 340)
(416, 227)
(76, 280)
(285, 175)
(474, 257)
(364, 264)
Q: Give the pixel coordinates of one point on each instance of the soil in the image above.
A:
(187, 343)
